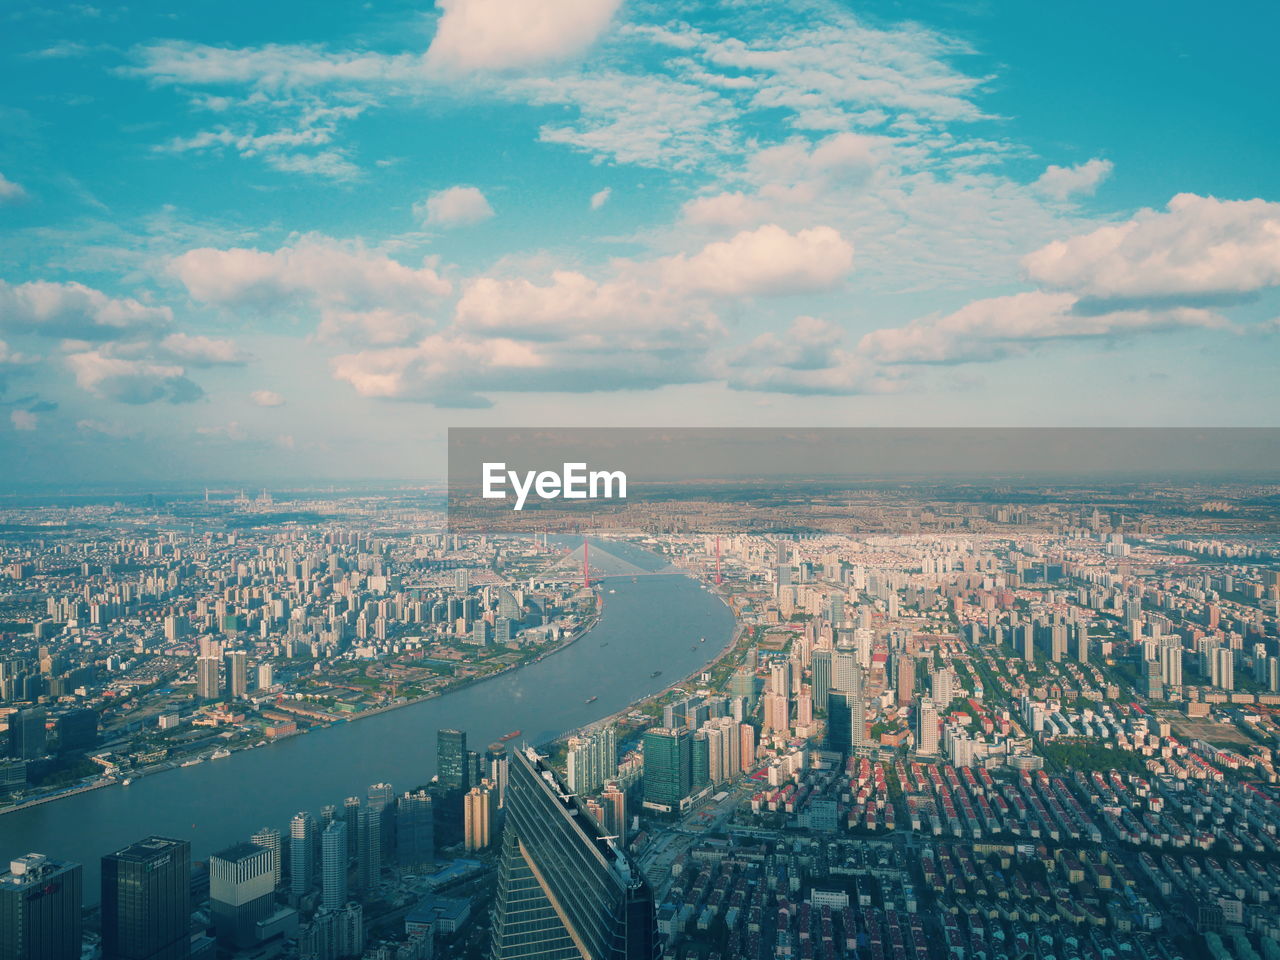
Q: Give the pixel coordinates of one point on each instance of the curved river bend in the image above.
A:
(655, 622)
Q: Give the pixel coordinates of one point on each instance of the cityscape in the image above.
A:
(943, 719)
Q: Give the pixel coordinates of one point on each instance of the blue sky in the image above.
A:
(272, 241)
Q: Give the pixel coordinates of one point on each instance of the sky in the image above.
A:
(272, 242)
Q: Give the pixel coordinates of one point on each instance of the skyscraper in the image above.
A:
(415, 831)
(333, 865)
(27, 736)
(208, 686)
(926, 727)
(451, 759)
(477, 818)
(146, 901)
(592, 760)
(240, 892)
(269, 837)
(301, 853)
(564, 889)
(668, 768)
(237, 673)
(40, 903)
(369, 862)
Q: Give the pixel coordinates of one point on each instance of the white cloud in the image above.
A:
(266, 398)
(1082, 179)
(106, 428)
(200, 351)
(808, 359)
(315, 270)
(24, 420)
(455, 207)
(1201, 247)
(506, 34)
(10, 191)
(1003, 326)
(600, 198)
(131, 381)
(227, 432)
(766, 261)
(74, 311)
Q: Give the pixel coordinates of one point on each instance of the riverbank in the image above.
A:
(181, 762)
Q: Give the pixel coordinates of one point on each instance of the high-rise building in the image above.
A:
(27, 735)
(477, 816)
(495, 768)
(208, 685)
(906, 666)
(668, 768)
(592, 760)
(266, 676)
(451, 759)
(1029, 642)
(269, 837)
(40, 905)
(146, 901)
(614, 803)
(415, 831)
(383, 796)
(926, 727)
(942, 686)
(821, 664)
(240, 893)
(564, 889)
(237, 673)
(333, 865)
(302, 856)
(369, 861)
(351, 814)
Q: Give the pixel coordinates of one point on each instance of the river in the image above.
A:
(654, 622)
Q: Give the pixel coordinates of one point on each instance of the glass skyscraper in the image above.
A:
(451, 759)
(565, 890)
(146, 901)
(40, 909)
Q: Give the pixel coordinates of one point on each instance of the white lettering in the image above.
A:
(494, 477)
(574, 477)
(573, 483)
(609, 478)
(522, 492)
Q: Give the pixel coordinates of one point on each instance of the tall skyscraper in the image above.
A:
(40, 904)
(478, 818)
(821, 663)
(592, 760)
(146, 901)
(369, 863)
(302, 857)
(237, 673)
(415, 831)
(240, 892)
(495, 764)
(269, 837)
(906, 667)
(27, 735)
(208, 685)
(564, 889)
(668, 768)
(451, 759)
(333, 865)
(926, 727)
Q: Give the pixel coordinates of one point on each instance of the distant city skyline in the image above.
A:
(274, 245)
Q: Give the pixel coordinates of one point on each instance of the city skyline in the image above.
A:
(307, 245)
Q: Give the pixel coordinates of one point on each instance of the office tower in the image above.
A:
(906, 678)
(926, 727)
(146, 901)
(858, 736)
(476, 823)
(495, 768)
(742, 683)
(821, 663)
(207, 680)
(269, 837)
(40, 904)
(415, 832)
(369, 862)
(27, 733)
(266, 676)
(301, 853)
(451, 759)
(328, 814)
(351, 814)
(564, 889)
(614, 803)
(777, 713)
(699, 761)
(747, 746)
(383, 796)
(668, 768)
(1152, 685)
(240, 893)
(843, 663)
(237, 673)
(1171, 660)
(1029, 642)
(333, 865)
(804, 707)
(592, 760)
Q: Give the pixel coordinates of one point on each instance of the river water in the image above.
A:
(652, 622)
